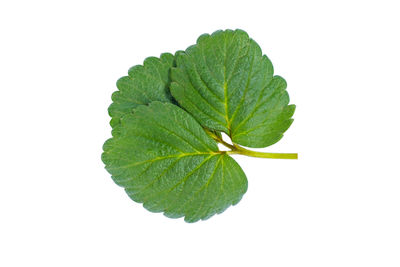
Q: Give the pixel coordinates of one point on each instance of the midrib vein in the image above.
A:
(228, 123)
(162, 158)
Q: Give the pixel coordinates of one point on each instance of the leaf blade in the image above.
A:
(223, 79)
(164, 159)
(144, 84)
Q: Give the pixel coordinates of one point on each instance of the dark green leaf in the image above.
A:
(144, 84)
(165, 160)
(226, 83)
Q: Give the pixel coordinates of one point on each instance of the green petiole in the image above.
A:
(236, 149)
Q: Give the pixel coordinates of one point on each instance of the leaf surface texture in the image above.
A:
(144, 84)
(165, 160)
(228, 85)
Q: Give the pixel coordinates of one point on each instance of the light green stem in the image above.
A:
(250, 153)
(236, 149)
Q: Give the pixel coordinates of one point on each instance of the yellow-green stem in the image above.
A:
(266, 155)
(236, 149)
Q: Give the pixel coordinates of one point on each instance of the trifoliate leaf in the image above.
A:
(165, 160)
(144, 84)
(227, 84)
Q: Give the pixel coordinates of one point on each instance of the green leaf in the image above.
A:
(165, 160)
(144, 84)
(226, 83)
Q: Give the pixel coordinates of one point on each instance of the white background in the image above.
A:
(338, 205)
